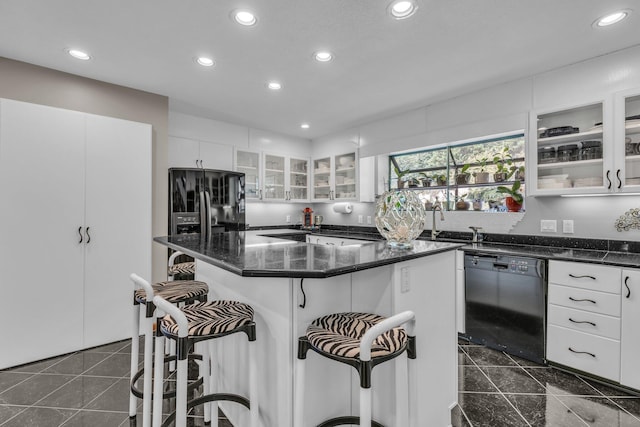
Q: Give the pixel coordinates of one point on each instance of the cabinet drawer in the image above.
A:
(590, 353)
(586, 276)
(581, 299)
(584, 321)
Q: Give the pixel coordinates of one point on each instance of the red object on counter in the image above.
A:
(308, 217)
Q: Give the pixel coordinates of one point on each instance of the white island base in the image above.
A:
(424, 285)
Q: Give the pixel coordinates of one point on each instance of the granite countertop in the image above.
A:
(261, 254)
(623, 259)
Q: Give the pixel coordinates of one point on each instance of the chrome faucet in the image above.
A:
(434, 230)
(477, 235)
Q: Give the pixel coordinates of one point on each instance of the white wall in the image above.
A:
(504, 108)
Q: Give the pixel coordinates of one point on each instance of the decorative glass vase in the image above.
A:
(400, 217)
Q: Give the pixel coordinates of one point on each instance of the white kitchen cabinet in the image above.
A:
(630, 340)
(600, 155)
(76, 222)
(118, 213)
(335, 178)
(583, 317)
(273, 177)
(189, 153)
(571, 150)
(627, 141)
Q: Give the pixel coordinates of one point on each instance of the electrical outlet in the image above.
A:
(360, 219)
(548, 225)
(369, 219)
(405, 280)
(288, 219)
(567, 226)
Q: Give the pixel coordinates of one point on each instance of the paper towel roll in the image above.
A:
(343, 208)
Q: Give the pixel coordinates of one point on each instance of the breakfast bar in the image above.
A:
(289, 283)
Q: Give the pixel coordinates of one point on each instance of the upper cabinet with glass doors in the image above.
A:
(335, 177)
(272, 177)
(627, 138)
(591, 149)
(571, 151)
(249, 163)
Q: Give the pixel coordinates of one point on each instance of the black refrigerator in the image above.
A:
(205, 201)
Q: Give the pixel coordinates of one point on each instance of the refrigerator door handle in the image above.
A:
(203, 213)
(207, 208)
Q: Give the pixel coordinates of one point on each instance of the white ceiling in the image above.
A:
(381, 67)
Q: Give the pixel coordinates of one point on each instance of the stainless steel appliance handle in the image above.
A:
(207, 200)
(203, 213)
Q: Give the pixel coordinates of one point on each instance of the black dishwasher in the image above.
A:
(505, 303)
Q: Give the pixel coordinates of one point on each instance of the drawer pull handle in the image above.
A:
(582, 277)
(582, 300)
(582, 321)
(582, 352)
(626, 279)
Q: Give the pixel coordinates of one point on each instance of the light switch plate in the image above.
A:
(405, 280)
(548, 225)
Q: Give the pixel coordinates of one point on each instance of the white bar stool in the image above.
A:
(179, 291)
(363, 341)
(173, 268)
(196, 323)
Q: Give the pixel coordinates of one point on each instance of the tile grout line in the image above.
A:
(33, 374)
(607, 397)
(545, 388)
(496, 387)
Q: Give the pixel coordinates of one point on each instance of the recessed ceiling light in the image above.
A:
(305, 126)
(274, 85)
(403, 9)
(323, 56)
(611, 18)
(205, 62)
(244, 17)
(78, 54)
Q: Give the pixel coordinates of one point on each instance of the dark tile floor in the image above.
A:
(87, 388)
(91, 388)
(500, 390)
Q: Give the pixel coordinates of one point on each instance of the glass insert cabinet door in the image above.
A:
(298, 179)
(345, 176)
(570, 147)
(632, 142)
(322, 179)
(248, 162)
(273, 177)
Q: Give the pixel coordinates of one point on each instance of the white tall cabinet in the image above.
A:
(75, 222)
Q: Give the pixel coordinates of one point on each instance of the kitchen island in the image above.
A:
(289, 283)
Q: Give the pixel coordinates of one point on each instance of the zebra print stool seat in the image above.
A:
(193, 324)
(363, 341)
(182, 268)
(176, 292)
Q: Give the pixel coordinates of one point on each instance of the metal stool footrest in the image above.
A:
(211, 398)
(341, 421)
(169, 394)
